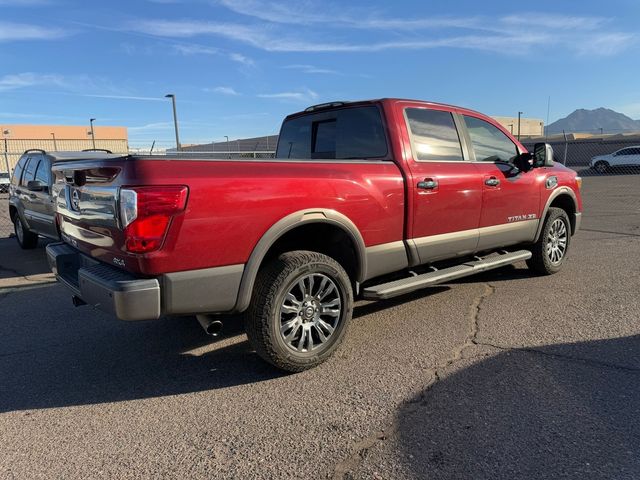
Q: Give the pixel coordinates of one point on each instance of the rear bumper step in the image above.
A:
(104, 287)
(407, 285)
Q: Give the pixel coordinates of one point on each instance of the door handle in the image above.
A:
(492, 182)
(428, 184)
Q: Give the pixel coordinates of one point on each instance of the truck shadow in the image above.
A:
(54, 355)
(566, 411)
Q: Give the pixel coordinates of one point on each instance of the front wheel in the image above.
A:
(299, 311)
(550, 251)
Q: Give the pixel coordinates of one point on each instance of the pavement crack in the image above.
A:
(359, 450)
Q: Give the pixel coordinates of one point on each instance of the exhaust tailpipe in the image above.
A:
(77, 301)
(210, 325)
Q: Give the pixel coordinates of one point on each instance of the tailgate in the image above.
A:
(86, 193)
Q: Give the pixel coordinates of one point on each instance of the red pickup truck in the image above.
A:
(369, 199)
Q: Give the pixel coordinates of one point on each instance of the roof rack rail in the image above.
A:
(322, 106)
(34, 150)
(97, 150)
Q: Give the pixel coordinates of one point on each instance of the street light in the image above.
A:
(5, 135)
(511, 127)
(175, 119)
(93, 135)
(55, 147)
(519, 115)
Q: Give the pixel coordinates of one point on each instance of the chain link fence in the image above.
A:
(609, 165)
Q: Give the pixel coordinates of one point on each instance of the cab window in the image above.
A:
(29, 170)
(489, 142)
(434, 135)
(17, 172)
(341, 134)
(43, 172)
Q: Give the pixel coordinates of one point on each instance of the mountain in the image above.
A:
(591, 121)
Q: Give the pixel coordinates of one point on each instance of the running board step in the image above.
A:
(407, 285)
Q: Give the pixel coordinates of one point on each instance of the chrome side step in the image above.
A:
(410, 284)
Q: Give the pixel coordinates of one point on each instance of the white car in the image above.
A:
(625, 157)
(4, 182)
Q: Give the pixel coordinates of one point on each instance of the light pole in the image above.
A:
(93, 135)
(55, 146)
(5, 134)
(511, 127)
(175, 119)
(519, 115)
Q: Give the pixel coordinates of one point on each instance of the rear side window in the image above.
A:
(489, 142)
(29, 171)
(43, 173)
(349, 133)
(434, 135)
(17, 173)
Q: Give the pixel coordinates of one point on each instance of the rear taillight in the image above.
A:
(146, 212)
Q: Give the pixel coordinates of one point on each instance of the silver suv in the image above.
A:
(31, 203)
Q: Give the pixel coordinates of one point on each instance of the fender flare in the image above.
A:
(286, 224)
(555, 194)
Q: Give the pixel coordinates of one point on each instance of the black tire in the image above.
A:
(544, 260)
(26, 239)
(266, 314)
(601, 166)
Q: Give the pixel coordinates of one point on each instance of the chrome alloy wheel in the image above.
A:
(557, 241)
(310, 313)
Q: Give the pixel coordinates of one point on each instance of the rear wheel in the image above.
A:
(601, 167)
(549, 252)
(26, 239)
(300, 309)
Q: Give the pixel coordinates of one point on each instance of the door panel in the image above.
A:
(445, 190)
(510, 198)
(42, 206)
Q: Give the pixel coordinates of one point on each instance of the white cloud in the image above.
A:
(10, 31)
(305, 95)
(25, 80)
(24, 3)
(506, 35)
(312, 69)
(222, 90)
(193, 49)
(238, 57)
(123, 97)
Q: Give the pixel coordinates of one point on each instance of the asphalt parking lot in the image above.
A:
(506, 375)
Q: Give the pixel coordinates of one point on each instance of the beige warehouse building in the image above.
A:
(18, 138)
(529, 127)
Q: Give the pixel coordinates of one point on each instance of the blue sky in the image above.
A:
(238, 66)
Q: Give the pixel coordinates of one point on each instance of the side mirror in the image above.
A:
(542, 155)
(36, 186)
